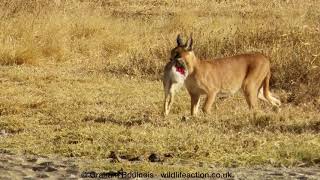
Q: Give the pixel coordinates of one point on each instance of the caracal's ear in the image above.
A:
(189, 43)
(179, 40)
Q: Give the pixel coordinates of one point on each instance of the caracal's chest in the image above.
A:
(194, 85)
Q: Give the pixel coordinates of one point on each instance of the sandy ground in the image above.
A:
(35, 167)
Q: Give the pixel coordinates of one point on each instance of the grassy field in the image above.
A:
(82, 79)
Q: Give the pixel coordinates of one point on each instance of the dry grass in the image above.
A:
(83, 81)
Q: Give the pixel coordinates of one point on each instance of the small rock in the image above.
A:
(184, 119)
(114, 157)
(154, 158)
(44, 168)
(38, 168)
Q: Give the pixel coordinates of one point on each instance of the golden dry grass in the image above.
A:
(81, 78)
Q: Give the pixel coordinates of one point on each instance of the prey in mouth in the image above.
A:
(180, 67)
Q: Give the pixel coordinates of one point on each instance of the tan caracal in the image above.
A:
(249, 72)
(175, 73)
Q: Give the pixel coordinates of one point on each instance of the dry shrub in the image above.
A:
(17, 56)
(135, 37)
(53, 41)
(17, 46)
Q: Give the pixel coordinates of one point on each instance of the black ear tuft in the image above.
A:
(189, 43)
(179, 40)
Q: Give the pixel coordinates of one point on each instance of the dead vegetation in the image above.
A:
(80, 78)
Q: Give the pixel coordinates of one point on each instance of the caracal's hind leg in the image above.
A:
(252, 84)
(267, 94)
(251, 95)
(261, 96)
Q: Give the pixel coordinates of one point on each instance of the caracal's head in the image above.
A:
(183, 53)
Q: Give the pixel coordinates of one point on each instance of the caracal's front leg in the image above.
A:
(209, 101)
(195, 101)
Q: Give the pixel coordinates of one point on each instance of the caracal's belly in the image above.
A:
(229, 88)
